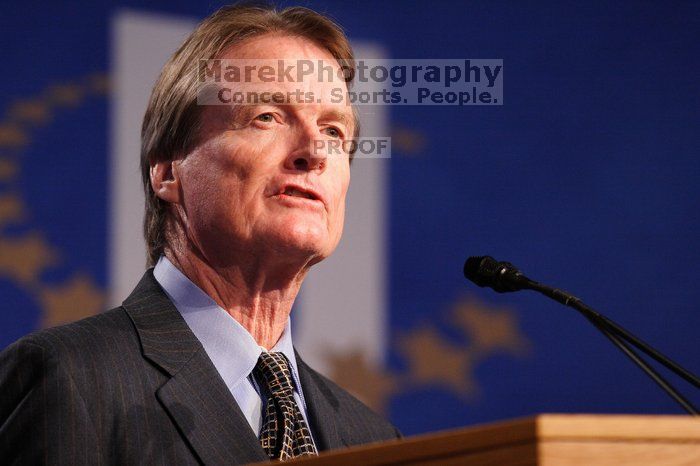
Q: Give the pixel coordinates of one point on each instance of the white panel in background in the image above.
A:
(344, 300)
(141, 44)
(343, 303)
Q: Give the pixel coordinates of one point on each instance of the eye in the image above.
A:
(265, 117)
(333, 132)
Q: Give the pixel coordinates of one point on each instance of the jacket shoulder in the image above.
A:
(89, 348)
(107, 331)
(50, 380)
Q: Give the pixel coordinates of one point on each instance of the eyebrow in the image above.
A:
(238, 114)
(245, 111)
(236, 111)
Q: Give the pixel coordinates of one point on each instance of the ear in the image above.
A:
(165, 180)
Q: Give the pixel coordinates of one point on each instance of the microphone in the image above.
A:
(504, 277)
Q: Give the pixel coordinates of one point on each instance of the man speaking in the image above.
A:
(198, 366)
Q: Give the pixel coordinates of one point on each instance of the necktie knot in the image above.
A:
(273, 370)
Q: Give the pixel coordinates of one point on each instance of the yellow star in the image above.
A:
(8, 169)
(11, 209)
(24, 259)
(12, 136)
(99, 84)
(434, 361)
(34, 111)
(363, 379)
(490, 329)
(68, 95)
(408, 141)
(69, 302)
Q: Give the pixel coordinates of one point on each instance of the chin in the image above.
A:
(308, 241)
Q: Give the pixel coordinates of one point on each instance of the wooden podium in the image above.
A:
(548, 439)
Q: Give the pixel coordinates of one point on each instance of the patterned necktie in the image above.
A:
(284, 434)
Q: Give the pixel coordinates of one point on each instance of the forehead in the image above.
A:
(279, 62)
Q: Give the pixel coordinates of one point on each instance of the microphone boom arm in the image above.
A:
(571, 301)
(503, 277)
(642, 364)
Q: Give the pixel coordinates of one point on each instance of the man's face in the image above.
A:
(254, 183)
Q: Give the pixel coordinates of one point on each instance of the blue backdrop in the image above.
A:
(587, 178)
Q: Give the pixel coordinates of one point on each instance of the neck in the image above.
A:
(258, 297)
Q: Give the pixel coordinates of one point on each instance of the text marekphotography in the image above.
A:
(463, 82)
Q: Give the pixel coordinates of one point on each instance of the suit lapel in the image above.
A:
(208, 416)
(322, 408)
(195, 396)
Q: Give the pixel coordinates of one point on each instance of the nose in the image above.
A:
(308, 153)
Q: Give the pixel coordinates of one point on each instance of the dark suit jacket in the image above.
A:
(134, 386)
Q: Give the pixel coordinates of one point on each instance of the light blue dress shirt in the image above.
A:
(228, 344)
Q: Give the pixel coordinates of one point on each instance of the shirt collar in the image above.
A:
(231, 348)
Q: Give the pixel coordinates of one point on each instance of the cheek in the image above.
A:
(197, 186)
(211, 181)
(233, 168)
(203, 203)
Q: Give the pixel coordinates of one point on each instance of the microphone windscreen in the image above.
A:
(503, 277)
(480, 269)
